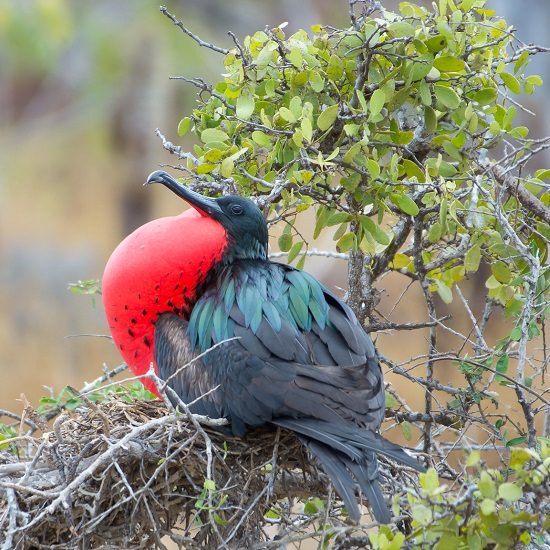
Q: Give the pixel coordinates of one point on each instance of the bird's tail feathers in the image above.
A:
(345, 473)
(370, 486)
(348, 439)
(336, 470)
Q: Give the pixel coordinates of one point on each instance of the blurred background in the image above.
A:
(83, 85)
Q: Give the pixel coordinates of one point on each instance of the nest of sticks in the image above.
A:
(134, 474)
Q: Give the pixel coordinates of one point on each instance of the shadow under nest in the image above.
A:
(125, 475)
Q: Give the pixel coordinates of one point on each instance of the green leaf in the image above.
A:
(335, 68)
(486, 485)
(429, 481)
(511, 82)
(485, 96)
(491, 283)
(261, 138)
(345, 243)
(430, 119)
(436, 43)
(307, 130)
(510, 492)
(400, 29)
(294, 251)
(406, 429)
(502, 364)
(531, 82)
(316, 82)
(542, 174)
(473, 458)
(520, 456)
(374, 168)
(272, 514)
(377, 101)
(501, 272)
(184, 126)
(298, 138)
(445, 293)
(389, 400)
(209, 485)
(405, 203)
(421, 514)
(327, 117)
(321, 217)
(419, 67)
(487, 507)
(338, 217)
(434, 233)
(472, 259)
(213, 134)
(285, 242)
(516, 441)
(376, 231)
(449, 64)
(295, 57)
(265, 55)
(413, 170)
(362, 100)
(219, 520)
(287, 115)
(447, 96)
(295, 106)
(226, 168)
(245, 106)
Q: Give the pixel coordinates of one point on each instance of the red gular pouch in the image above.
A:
(159, 268)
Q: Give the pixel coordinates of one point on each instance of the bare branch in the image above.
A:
(198, 40)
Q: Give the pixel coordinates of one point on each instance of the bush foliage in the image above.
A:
(401, 132)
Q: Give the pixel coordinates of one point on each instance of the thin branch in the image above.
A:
(198, 40)
(527, 199)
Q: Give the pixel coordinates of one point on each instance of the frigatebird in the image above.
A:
(290, 353)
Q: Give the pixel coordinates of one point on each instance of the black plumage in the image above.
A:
(297, 357)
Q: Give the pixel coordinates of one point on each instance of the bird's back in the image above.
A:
(280, 348)
(281, 318)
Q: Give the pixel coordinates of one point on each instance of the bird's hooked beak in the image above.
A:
(204, 205)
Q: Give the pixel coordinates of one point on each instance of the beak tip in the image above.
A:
(204, 205)
(158, 176)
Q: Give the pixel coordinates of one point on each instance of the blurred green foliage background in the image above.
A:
(83, 85)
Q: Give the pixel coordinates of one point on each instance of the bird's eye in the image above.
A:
(237, 209)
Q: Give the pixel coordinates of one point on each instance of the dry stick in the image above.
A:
(421, 270)
(175, 149)
(169, 392)
(20, 419)
(198, 40)
(62, 496)
(379, 327)
(107, 375)
(313, 252)
(509, 378)
(204, 87)
(432, 384)
(13, 510)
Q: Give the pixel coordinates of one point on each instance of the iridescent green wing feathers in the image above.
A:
(278, 311)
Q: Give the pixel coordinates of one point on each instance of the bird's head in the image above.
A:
(242, 220)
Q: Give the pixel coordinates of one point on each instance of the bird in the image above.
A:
(276, 346)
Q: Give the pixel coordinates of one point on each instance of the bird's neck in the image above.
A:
(248, 248)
